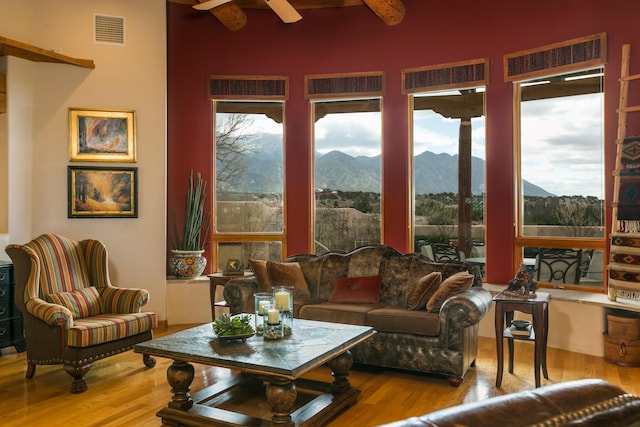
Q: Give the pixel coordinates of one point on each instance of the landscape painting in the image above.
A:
(102, 135)
(107, 192)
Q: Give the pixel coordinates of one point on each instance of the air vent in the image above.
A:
(108, 29)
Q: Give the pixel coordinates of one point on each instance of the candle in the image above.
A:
(282, 300)
(262, 306)
(273, 316)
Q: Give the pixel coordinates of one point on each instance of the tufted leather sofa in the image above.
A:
(585, 403)
(443, 342)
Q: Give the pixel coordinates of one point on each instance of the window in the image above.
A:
(347, 173)
(448, 174)
(249, 181)
(561, 178)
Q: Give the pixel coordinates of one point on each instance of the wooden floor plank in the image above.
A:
(123, 392)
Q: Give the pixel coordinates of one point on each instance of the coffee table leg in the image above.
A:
(340, 367)
(180, 375)
(281, 394)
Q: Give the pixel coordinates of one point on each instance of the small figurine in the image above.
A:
(522, 286)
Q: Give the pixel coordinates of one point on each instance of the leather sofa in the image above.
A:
(585, 403)
(442, 341)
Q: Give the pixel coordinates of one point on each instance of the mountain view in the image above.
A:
(434, 173)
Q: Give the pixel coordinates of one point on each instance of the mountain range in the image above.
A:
(335, 170)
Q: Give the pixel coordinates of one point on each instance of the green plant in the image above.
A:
(226, 325)
(196, 221)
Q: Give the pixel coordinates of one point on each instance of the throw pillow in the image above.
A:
(288, 274)
(357, 290)
(452, 285)
(82, 303)
(422, 291)
(259, 269)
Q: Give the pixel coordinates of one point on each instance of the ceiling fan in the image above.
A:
(282, 8)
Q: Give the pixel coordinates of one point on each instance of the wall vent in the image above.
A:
(108, 29)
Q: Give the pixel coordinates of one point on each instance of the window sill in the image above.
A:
(577, 297)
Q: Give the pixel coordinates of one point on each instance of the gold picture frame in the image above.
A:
(102, 135)
(102, 192)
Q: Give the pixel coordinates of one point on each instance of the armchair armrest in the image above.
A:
(51, 314)
(123, 300)
(238, 293)
(462, 311)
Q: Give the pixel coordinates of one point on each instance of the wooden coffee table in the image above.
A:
(271, 368)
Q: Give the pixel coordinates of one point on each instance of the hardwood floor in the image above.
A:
(123, 392)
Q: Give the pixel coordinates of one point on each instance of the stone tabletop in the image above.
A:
(311, 344)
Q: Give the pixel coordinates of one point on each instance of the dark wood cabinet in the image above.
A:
(11, 331)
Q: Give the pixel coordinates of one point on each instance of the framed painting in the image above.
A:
(102, 192)
(102, 135)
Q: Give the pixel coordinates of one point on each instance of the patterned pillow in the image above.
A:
(84, 302)
(357, 290)
(452, 285)
(422, 291)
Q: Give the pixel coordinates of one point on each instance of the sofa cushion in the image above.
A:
(351, 314)
(259, 269)
(452, 285)
(400, 320)
(357, 290)
(82, 302)
(288, 274)
(423, 289)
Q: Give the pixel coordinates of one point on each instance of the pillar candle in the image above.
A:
(262, 305)
(273, 316)
(282, 300)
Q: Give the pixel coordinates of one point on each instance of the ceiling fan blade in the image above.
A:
(284, 10)
(210, 4)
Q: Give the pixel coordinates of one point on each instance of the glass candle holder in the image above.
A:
(263, 300)
(273, 328)
(283, 300)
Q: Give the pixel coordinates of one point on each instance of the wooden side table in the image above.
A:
(219, 279)
(539, 309)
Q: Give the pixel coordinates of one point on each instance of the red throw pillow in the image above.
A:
(357, 290)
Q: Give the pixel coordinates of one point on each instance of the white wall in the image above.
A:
(131, 77)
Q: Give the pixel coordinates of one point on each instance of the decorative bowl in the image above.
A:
(242, 337)
(520, 324)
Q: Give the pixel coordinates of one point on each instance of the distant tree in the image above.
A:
(233, 143)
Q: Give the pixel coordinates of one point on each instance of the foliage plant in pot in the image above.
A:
(187, 259)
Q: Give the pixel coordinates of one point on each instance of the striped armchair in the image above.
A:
(72, 314)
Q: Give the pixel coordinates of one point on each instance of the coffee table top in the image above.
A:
(311, 344)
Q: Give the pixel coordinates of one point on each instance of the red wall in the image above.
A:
(353, 39)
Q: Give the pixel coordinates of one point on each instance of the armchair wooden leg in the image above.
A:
(77, 372)
(31, 370)
(148, 361)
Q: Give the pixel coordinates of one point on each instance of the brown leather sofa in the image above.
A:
(585, 403)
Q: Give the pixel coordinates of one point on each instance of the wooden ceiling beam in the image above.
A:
(391, 12)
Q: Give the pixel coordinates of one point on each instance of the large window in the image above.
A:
(448, 174)
(347, 174)
(249, 182)
(560, 231)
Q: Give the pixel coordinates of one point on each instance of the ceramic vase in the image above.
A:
(186, 264)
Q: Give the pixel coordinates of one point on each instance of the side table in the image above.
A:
(219, 279)
(539, 309)
(11, 330)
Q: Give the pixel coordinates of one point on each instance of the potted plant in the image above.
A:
(188, 244)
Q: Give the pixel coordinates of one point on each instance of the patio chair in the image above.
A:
(445, 252)
(558, 265)
(72, 314)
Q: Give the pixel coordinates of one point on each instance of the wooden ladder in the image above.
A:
(623, 110)
(617, 227)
